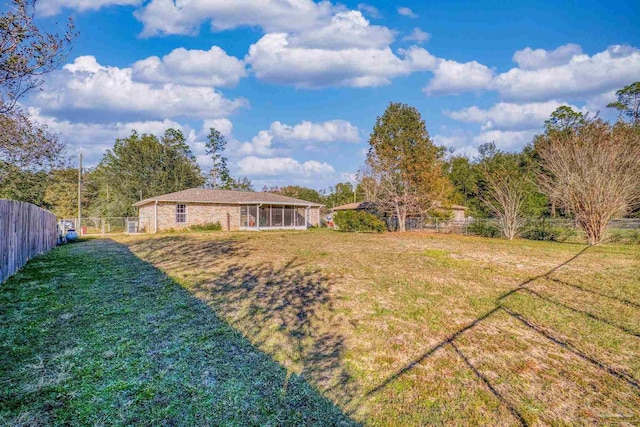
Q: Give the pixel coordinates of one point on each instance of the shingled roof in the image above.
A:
(355, 206)
(228, 197)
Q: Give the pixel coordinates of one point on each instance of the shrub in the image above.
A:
(541, 230)
(358, 221)
(545, 229)
(484, 228)
(207, 226)
(619, 235)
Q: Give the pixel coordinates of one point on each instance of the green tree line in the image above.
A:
(405, 174)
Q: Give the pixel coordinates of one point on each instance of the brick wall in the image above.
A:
(314, 217)
(146, 214)
(227, 215)
(458, 214)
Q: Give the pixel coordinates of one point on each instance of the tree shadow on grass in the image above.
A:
(183, 253)
(284, 309)
(139, 349)
(287, 311)
(501, 307)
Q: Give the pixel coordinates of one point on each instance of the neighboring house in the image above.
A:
(459, 213)
(234, 210)
(358, 206)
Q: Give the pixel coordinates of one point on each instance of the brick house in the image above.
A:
(234, 210)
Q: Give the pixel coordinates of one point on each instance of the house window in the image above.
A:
(181, 214)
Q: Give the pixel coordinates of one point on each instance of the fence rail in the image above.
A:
(25, 231)
(92, 226)
(619, 229)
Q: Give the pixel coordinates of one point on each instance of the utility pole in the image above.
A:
(355, 190)
(108, 210)
(79, 224)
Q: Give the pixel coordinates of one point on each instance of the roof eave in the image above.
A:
(264, 202)
(280, 203)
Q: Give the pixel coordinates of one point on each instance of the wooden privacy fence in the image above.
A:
(25, 231)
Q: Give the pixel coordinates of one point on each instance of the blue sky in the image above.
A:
(296, 85)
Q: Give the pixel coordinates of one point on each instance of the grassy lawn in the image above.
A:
(320, 326)
(92, 335)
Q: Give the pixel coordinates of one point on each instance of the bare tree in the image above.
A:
(27, 52)
(593, 171)
(505, 197)
(368, 183)
(399, 196)
(505, 188)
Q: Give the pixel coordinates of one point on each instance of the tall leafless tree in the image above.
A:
(368, 182)
(505, 197)
(505, 188)
(593, 171)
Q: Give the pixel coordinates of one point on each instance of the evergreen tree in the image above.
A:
(141, 166)
(219, 175)
(409, 166)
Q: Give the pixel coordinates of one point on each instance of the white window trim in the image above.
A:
(186, 213)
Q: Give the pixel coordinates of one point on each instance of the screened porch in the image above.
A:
(256, 217)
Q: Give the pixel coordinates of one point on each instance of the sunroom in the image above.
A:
(233, 210)
(260, 216)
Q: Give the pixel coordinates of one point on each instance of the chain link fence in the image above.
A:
(103, 226)
(619, 229)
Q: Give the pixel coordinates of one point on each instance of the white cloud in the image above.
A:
(280, 138)
(581, 76)
(273, 59)
(530, 59)
(224, 126)
(451, 77)
(419, 59)
(53, 7)
(468, 151)
(505, 115)
(370, 10)
(191, 67)
(506, 140)
(466, 143)
(405, 11)
(85, 85)
(260, 145)
(330, 131)
(598, 103)
(283, 171)
(344, 51)
(418, 36)
(96, 138)
(282, 167)
(460, 142)
(306, 44)
(346, 30)
(185, 16)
